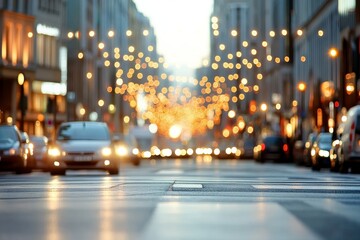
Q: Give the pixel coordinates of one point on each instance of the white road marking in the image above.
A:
(304, 187)
(187, 186)
(170, 172)
(212, 221)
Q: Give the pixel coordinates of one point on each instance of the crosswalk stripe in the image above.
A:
(303, 187)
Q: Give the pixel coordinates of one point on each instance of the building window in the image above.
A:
(40, 49)
(47, 51)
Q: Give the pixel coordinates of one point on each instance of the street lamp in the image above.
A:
(333, 54)
(22, 105)
(263, 108)
(302, 89)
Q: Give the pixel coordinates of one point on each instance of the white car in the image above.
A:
(82, 146)
(349, 150)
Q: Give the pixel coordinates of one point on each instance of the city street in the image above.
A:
(200, 198)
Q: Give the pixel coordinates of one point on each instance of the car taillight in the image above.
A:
(351, 136)
(285, 147)
(263, 147)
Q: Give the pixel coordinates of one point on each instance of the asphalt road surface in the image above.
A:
(182, 199)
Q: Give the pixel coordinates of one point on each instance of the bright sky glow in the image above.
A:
(181, 28)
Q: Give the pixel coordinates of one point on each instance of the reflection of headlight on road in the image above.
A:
(122, 151)
(54, 152)
(106, 151)
(324, 153)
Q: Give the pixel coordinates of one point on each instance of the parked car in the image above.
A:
(80, 146)
(39, 145)
(298, 152)
(126, 149)
(307, 149)
(29, 149)
(273, 147)
(320, 151)
(335, 148)
(247, 148)
(349, 150)
(13, 150)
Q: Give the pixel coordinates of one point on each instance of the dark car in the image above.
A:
(13, 150)
(298, 152)
(272, 147)
(82, 146)
(247, 148)
(320, 151)
(39, 146)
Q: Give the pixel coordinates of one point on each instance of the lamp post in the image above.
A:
(22, 105)
(333, 54)
(263, 108)
(302, 89)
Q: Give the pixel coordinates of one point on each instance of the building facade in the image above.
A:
(251, 48)
(31, 46)
(105, 42)
(349, 17)
(315, 30)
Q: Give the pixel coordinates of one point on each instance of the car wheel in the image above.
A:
(136, 162)
(315, 165)
(114, 171)
(343, 168)
(58, 173)
(334, 165)
(23, 170)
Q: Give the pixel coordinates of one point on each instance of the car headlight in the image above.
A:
(324, 153)
(122, 151)
(54, 152)
(313, 152)
(31, 146)
(11, 151)
(135, 151)
(106, 151)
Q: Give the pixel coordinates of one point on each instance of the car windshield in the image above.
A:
(38, 141)
(325, 138)
(83, 132)
(357, 129)
(8, 133)
(273, 141)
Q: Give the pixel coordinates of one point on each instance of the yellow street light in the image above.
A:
(301, 86)
(21, 79)
(92, 33)
(333, 52)
(263, 107)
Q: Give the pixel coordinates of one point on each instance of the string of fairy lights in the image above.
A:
(194, 104)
